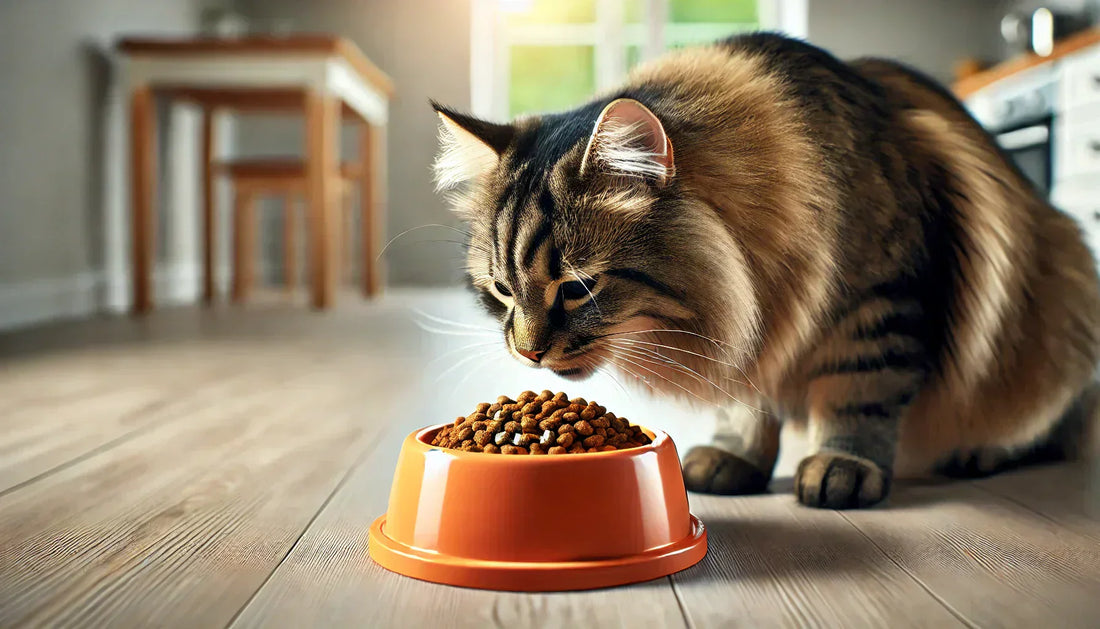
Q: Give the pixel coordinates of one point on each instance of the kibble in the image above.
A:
(540, 423)
(550, 423)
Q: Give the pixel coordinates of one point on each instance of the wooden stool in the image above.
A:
(284, 179)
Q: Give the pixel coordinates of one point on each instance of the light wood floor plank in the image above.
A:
(1066, 494)
(994, 562)
(187, 520)
(329, 580)
(774, 563)
(44, 436)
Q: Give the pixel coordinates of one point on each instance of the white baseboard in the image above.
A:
(27, 303)
(24, 304)
(173, 285)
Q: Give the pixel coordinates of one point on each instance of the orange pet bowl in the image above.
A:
(537, 523)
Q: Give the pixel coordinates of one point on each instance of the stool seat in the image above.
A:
(276, 168)
(283, 177)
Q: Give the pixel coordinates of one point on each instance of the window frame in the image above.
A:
(491, 40)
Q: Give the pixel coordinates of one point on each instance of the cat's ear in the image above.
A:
(630, 140)
(468, 147)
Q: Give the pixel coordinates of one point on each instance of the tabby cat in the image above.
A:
(759, 225)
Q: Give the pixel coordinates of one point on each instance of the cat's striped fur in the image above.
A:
(760, 225)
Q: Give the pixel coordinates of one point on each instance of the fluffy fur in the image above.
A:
(759, 225)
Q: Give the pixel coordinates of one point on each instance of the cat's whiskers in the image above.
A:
(717, 343)
(624, 336)
(648, 355)
(591, 360)
(461, 362)
(480, 246)
(747, 382)
(625, 357)
(464, 348)
(491, 360)
(589, 291)
(611, 375)
(676, 349)
(577, 274)
(452, 322)
(677, 365)
(709, 339)
(638, 378)
(468, 333)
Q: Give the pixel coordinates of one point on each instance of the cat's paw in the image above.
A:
(710, 470)
(977, 463)
(830, 480)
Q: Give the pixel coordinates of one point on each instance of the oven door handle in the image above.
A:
(1023, 138)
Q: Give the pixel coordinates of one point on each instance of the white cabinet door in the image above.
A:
(1081, 78)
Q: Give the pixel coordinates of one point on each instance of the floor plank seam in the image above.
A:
(680, 602)
(166, 401)
(951, 610)
(355, 465)
(101, 448)
(1023, 506)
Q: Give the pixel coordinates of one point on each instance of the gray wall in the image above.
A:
(53, 80)
(424, 46)
(54, 77)
(1070, 6)
(928, 34)
(62, 154)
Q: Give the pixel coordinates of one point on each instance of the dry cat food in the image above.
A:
(540, 423)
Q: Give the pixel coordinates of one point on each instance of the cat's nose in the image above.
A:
(532, 355)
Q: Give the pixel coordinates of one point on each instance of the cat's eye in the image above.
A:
(577, 289)
(502, 289)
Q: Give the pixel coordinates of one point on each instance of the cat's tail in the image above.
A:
(1076, 435)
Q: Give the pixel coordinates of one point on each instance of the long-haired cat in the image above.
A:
(760, 225)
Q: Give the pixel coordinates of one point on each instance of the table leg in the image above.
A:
(142, 193)
(372, 198)
(290, 241)
(208, 212)
(244, 226)
(322, 116)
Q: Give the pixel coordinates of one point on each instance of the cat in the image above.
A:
(759, 225)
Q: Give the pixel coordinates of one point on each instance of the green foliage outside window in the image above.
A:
(550, 78)
(553, 78)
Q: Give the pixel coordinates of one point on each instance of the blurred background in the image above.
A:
(64, 233)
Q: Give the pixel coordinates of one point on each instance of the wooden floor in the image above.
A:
(220, 468)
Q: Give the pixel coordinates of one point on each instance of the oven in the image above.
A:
(1019, 113)
(1030, 145)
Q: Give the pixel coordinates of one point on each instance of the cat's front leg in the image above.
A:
(741, 456)
(853, 435)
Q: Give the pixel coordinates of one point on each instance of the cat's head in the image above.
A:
(582, 241)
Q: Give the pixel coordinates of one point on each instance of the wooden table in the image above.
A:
(324, 77)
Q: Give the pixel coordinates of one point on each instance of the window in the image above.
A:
(534, 56)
